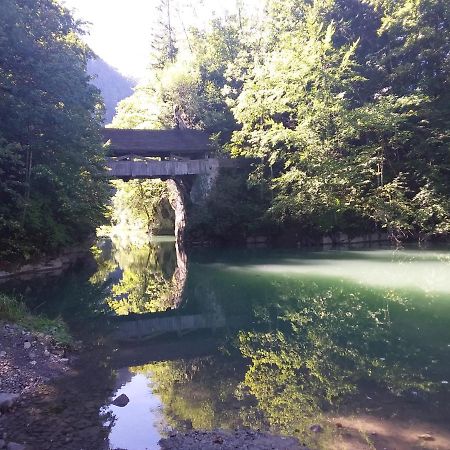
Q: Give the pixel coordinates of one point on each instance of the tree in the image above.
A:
(51, 159)
(164, 50)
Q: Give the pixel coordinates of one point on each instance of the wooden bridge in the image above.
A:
(160, 153)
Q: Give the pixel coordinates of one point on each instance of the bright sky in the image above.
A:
(120, 30)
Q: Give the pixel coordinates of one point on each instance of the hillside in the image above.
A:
(113, 85)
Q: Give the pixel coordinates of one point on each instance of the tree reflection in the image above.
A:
(325, 342)
(142, 279)
(197, 393)
(309, 344)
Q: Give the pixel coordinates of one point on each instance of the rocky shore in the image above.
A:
(28, 361)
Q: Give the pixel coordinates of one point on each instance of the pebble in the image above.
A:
(27, 345)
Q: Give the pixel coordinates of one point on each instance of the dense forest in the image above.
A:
(52, 191)
(342, 105)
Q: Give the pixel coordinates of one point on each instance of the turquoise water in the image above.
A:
(357, 341)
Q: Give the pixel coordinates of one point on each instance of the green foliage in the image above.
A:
(234, 209)
(337, 143)
(14, 311)
(142, 205)
(51, 160)
(193, 83)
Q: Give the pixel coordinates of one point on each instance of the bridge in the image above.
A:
(160, 153)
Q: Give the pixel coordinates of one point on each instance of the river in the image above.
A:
(356, 341)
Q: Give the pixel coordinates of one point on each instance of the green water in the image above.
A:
(292, 339)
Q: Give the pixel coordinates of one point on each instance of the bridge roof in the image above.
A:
(154, 143)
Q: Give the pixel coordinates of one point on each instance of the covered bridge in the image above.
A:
(159, 153)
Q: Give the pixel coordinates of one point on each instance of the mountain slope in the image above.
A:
(113, 85)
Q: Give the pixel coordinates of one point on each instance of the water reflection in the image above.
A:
(141, 418)
(274, 340)
(142, 279)
(313, 342)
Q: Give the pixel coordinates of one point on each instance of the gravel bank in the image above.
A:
(223, 440)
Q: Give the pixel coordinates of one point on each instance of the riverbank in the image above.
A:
(229, 440)
(33, 351)
(54, 265)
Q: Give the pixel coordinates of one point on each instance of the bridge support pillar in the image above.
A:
(177, 198)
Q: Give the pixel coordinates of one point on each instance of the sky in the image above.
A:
(120, 30)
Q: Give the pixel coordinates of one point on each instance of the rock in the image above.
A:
(121, 401)
(33, 363)
(7, 401)
(426, 437)
(27, 345)
(32, 355)
(15, 446)
(2, 355)
(47, 353)
(316, 428)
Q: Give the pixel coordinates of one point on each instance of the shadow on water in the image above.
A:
(272, 340)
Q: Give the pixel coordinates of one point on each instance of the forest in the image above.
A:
(343, 107)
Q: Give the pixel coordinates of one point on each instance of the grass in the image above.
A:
(14, 311)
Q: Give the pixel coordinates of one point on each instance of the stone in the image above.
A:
(32, 355)
(2, 355)
(15, 446)
(27, 345)
(7, 401)
(121, 401)
(316, 428)
(426, 437)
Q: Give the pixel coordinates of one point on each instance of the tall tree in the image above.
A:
(164, 50)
